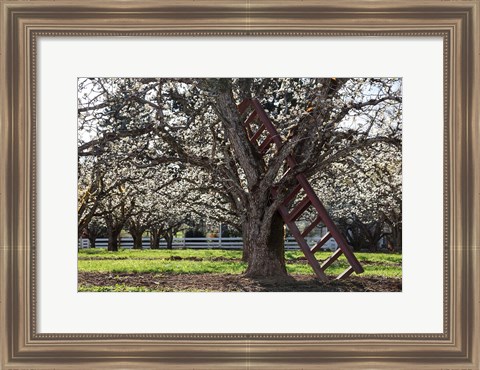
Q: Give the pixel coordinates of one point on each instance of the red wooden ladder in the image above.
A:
(269, 134)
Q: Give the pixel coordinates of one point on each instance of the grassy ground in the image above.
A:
(93, 263)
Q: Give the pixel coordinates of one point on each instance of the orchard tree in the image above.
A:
(364, 195)
(196, 123)
(90, 192)
(154, 199)
(96, 229)
(119, 203)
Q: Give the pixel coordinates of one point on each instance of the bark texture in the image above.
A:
(263, 228)
(168, 235)
(267, 257)
(137, 240)
(155, 236)
(113, 235)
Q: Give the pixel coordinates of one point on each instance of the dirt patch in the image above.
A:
(237, 283)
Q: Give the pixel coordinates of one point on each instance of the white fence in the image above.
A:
(202, 243)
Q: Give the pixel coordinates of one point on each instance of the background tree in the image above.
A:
(361, 191)
(96, 229)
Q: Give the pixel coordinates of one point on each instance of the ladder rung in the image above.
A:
(243, 105)
(311, 226)
(346, 273)
(292, 194)
(322, 241)
(258, 133)
(251, 117)
(299, 209)
(331, 259)
(265, 144)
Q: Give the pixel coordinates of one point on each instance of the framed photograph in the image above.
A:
(239, 184)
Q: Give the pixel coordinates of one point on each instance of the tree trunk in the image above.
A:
(395, 239)
(265, 232)
(113, 234)
(155, 237)
(137, 239)
(267, 257)
(92, 240)
(373, 232)
(169, 239)
(246, 252)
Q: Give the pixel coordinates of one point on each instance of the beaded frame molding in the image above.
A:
(24, 22)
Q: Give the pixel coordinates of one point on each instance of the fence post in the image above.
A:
(84, 243)
(220, 236)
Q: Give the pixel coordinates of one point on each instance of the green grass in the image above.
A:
(337, 269)
(162, 266)
(163, 261)
(100, 253)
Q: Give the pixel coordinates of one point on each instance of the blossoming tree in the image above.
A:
(193, 126)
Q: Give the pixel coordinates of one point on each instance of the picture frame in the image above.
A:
(23, 22)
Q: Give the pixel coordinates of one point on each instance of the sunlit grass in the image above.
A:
(162, 266)
(102, 253)
(338, 268)
(206, 261)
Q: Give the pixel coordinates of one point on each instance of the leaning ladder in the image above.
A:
(271, 136)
